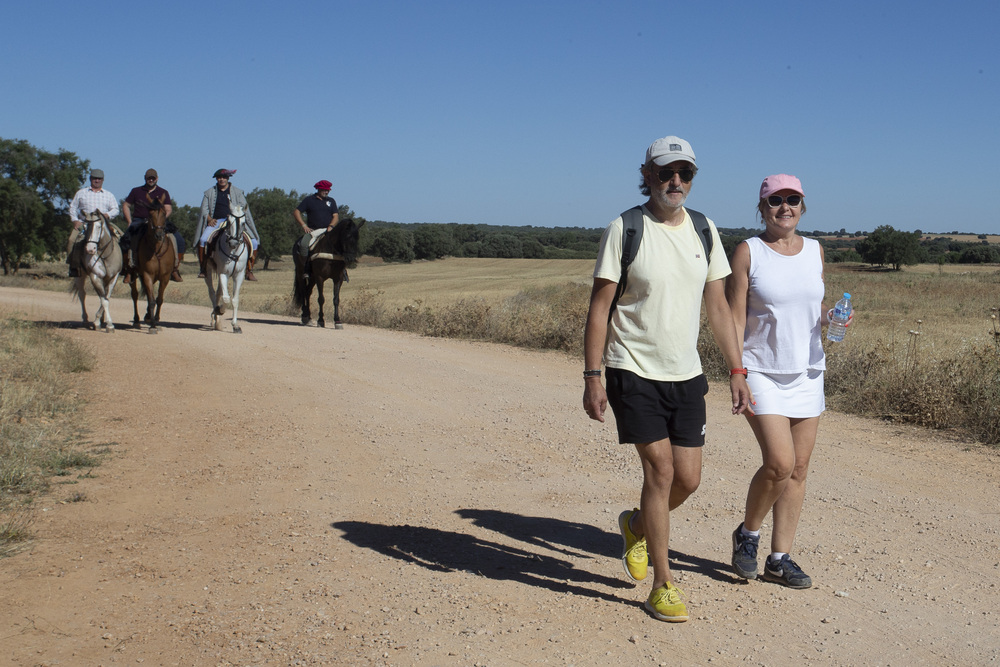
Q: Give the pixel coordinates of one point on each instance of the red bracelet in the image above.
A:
(737, 371)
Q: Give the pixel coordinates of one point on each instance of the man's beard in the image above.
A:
(660, 197)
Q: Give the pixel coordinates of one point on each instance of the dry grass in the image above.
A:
(36, 409)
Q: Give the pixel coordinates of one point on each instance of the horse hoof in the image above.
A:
(236, 329)
(321, 323)
(111, 329)
(154, 330)
(338, 325)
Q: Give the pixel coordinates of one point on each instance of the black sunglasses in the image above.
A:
(665, 174)
(774, 201)
(151, 178)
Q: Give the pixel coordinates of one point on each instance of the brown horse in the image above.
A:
(333, 253)
(155, 262)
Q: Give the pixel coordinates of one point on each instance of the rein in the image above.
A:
(100, 235)
(232, 239)
(151, 233)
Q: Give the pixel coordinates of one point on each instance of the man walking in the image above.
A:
(648, 344)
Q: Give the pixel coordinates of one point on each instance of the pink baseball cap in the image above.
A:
(778, 182)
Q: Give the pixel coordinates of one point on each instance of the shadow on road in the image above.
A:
(553, 534)
(448, 551)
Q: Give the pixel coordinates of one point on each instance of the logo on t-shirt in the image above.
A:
(328, 204)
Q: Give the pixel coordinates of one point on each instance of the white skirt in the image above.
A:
(794, 395)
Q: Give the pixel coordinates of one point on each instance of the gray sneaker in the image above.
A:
(786, 572)
(745, 554)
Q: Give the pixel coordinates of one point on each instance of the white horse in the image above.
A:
(102, 261)
(227, 258)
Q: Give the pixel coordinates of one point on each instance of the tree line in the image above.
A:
(37, 186)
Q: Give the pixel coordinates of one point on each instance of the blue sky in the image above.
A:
(525, 113)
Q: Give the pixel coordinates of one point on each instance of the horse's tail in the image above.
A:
(74, 288)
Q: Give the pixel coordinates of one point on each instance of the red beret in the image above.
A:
(324, 185)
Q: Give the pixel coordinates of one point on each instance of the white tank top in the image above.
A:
(784, 304)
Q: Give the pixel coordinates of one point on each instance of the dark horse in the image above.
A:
(155, 262)
(329, 258)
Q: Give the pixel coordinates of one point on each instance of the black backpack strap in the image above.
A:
(704, 231)
(632, 224)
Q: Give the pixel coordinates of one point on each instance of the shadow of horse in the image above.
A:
(448, 551)
(330, 255)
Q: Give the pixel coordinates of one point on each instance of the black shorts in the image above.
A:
(650, 410)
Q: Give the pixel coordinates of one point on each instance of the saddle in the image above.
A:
(213, 242)
(315, 236)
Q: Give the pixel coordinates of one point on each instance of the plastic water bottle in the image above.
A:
(838, 322)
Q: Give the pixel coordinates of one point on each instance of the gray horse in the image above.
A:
(101, 263)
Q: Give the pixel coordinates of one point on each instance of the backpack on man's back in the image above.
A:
(632, 224)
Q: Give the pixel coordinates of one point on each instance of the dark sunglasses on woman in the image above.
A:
(774, 201)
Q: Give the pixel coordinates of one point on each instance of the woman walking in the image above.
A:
(776, 295)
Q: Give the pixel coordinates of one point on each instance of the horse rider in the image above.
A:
(88, 200)
(215, 207)
(321, 216)
(135, 209)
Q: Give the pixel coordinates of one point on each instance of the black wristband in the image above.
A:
(592, 374)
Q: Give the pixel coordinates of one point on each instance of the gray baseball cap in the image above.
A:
(669, 149)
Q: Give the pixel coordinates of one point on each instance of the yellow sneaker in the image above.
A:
(634, 557)
(665, 604)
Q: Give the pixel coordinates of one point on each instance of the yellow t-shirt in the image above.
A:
(654, 329)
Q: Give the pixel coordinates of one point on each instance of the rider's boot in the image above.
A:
(126, 268)
(71, 253)
(253, 258)
(176, 275)
(201, 261)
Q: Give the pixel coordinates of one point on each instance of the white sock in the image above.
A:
(750, 533)
(775, 557)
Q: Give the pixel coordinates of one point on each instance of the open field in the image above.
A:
(426, 283)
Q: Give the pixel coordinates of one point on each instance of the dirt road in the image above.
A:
(300, 496)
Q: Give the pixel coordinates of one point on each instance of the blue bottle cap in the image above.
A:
(846, 295)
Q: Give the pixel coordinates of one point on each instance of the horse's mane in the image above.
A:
(343, 240)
